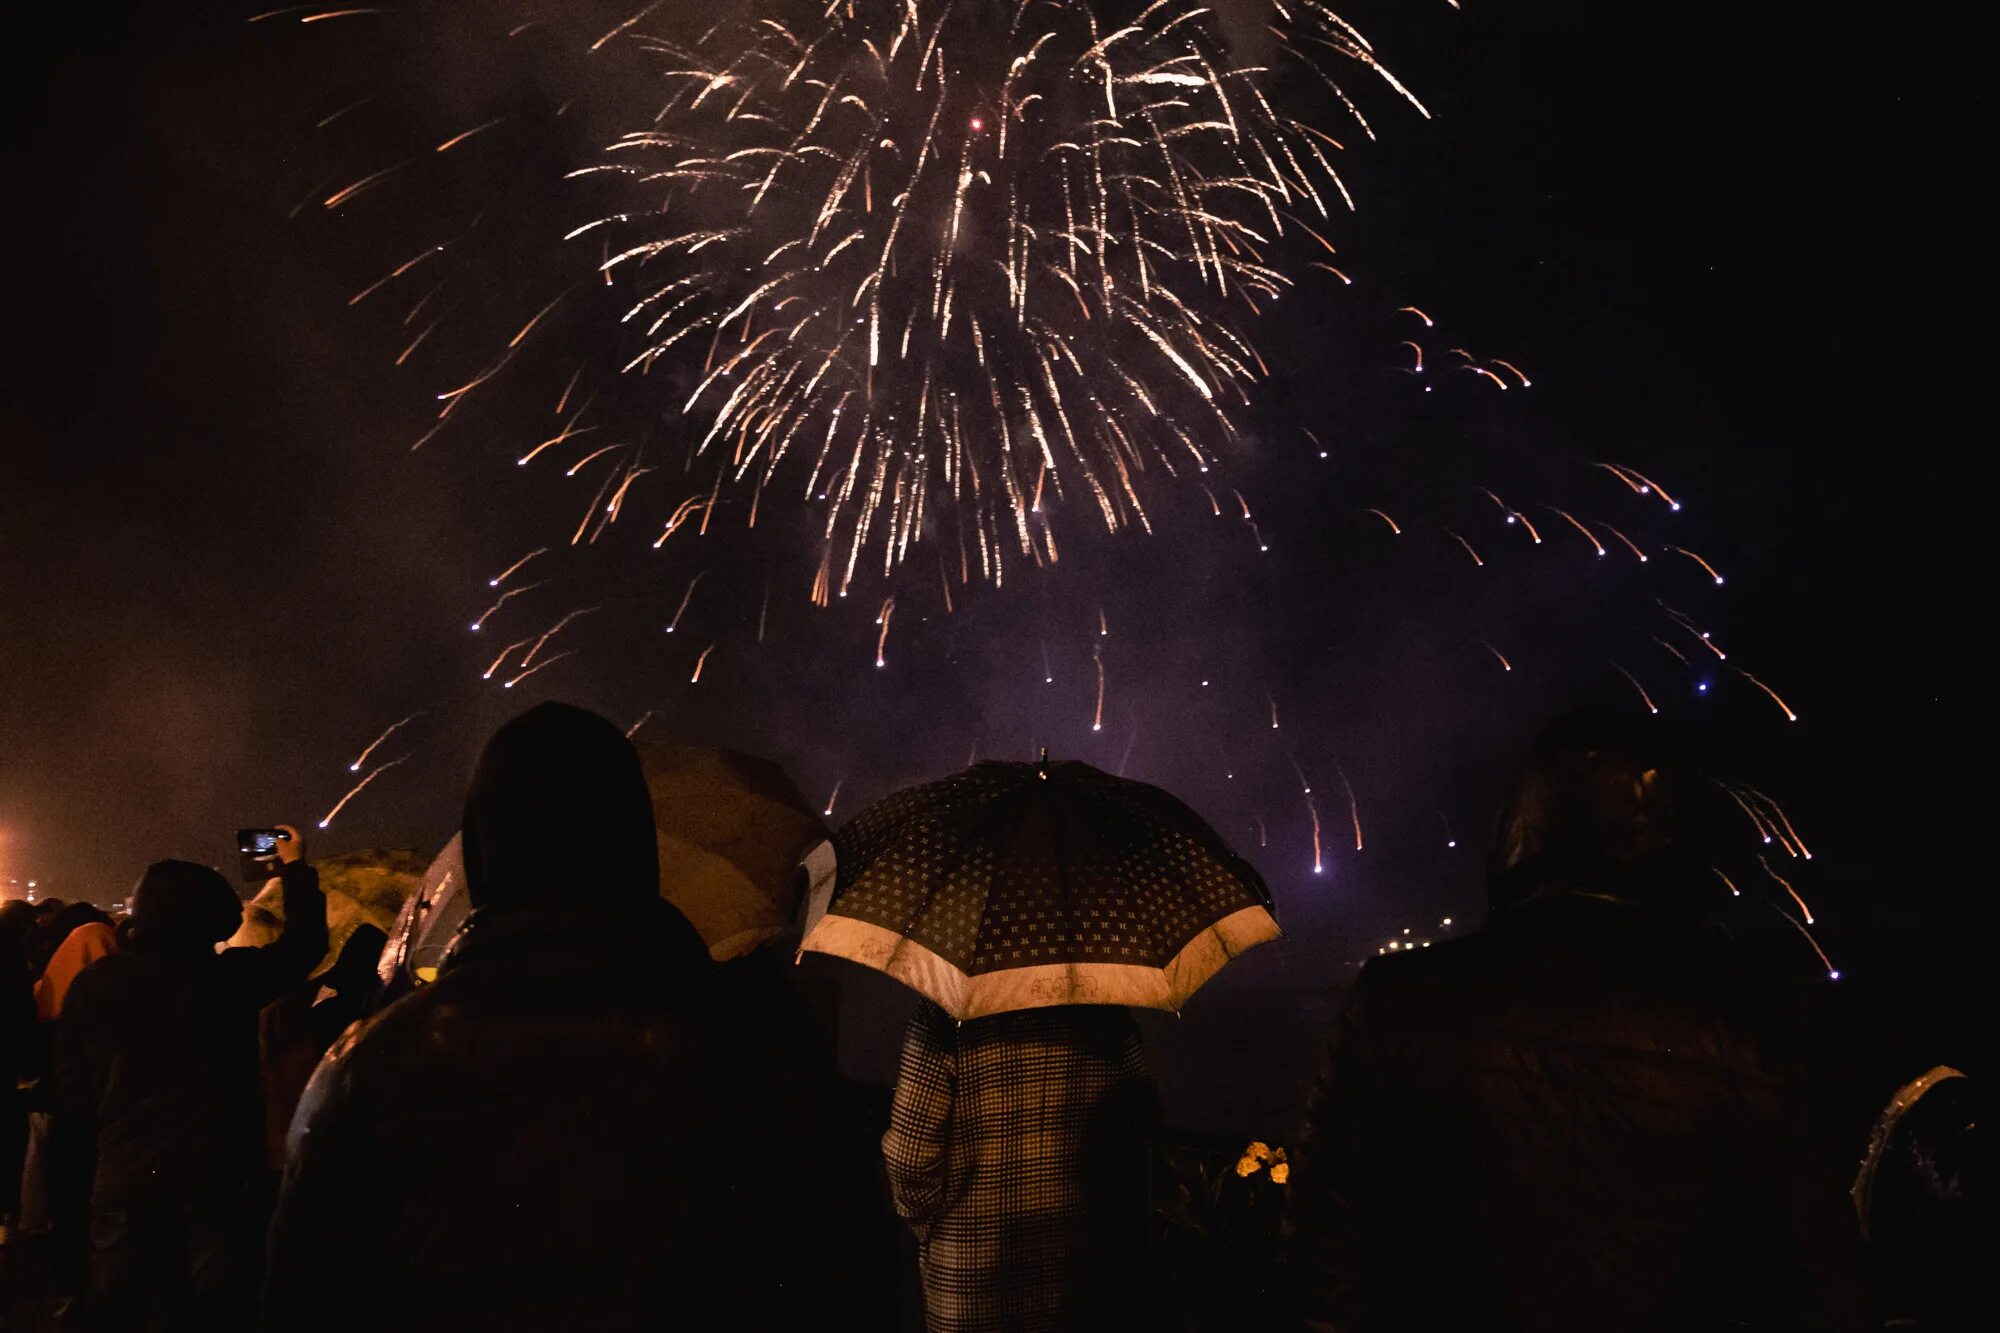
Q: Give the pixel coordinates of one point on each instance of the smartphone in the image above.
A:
(259, 850)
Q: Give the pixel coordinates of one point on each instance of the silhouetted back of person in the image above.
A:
(157, 1062)
(1574, 1119)
(567, 1129)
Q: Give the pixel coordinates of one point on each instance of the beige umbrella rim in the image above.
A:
(1005, 990)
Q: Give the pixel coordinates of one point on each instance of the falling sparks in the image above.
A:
(1353, 806)
(1588, 535)
(1644, 697)
(1273, 701)
(643, 719)
(882, 639)
(1097, 717)
(1450, 838)
(542, 665)
(1412, 310)
(1630, 545)
(1468, 547)
(373, 745)
(1790, 716)
(1024, 259)
(831, 797)
(1392, 523)
(357, 789)
(1708, 568)
(700, 662)
(479, 623)
(686, 597)
(1786, 885)
(1727, 882)
(1515, 371)
(515, 568)
(1312, 809)
(554, 630)
(1498, 656)
(505, 653)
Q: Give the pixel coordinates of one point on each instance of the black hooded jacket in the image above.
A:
(1575, 1120)
(157, 1047)
(572, 1127)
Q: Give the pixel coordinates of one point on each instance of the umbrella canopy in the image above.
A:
(733, 831)
(1013, 886)
(363, 888)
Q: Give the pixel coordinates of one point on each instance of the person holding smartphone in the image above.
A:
(157, 1061)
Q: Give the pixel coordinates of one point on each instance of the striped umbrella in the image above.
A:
(1013, 886)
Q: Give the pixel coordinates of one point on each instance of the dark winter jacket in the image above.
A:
(1570, 1121)
(157, 1051)
(581, 1124)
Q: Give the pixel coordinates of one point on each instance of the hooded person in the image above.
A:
(569, 1128)
(87, 935)
(156, 1063)
(1576, 1118)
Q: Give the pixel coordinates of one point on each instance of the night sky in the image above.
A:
(1742, 251)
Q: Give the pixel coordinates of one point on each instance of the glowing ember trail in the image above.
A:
(1790, 716)
(1786, 885)
(1097, 717)
(1699, 561)
(699, 662)
(514, 568)
(1498, 656)
(505, 653)
(544, 663)
(387, 732)
(1644, 697)
(1353, 806)
(356, 790)
(831, 797)
(1392, 523)
(686, 597)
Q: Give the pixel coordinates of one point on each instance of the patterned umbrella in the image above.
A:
(1012, 886)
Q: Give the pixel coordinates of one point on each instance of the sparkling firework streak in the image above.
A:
(1048, 676)
(686, 597)
(1468, 548)
(1516, 370)
(541, 665)
(479, 623)
(1790, 716)
(1418, 368)
(1450, 838)
(554, 630)
(1353, 806)
(699, 662)
(1482, 370)
(1681, 656)
(1412, 310)
(1786, 885)
(831, 797)
(1779, 812)
(1632, 483)
(505, 653)
(1648, 486)
(1273, 701)
(1588, 535)
(1727, 882)
(387, 732)
(1312, 808)
(1630, 545)
(1644, 697)
(1498, 656)
(1750, 812)
(644, 718)
(356, 790)
(1392, 524)
(1097, 717)
(1103, 625)
(1682, 550)
(882, 639)
(515, 568)
(941, 253)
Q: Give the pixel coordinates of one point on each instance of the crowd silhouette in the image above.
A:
(1587, 1115)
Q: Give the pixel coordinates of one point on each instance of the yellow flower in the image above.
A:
(1281, 1173)
(1247, 1165)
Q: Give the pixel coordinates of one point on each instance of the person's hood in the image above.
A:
(181, 907)
(558, 809)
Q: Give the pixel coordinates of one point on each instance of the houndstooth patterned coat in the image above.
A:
(1016, 1152)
